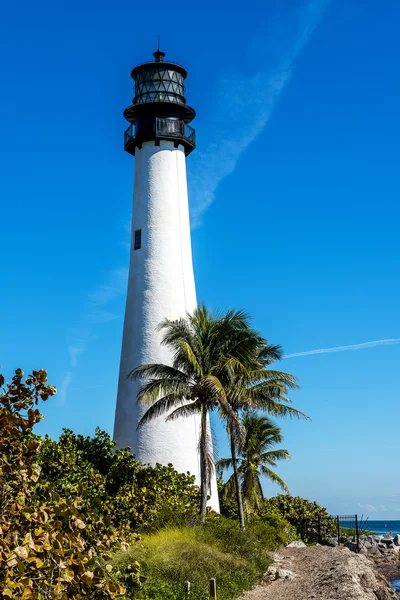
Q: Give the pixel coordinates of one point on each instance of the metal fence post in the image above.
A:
(187, 589)
(338, 528)
(213, 589)
(357, 535)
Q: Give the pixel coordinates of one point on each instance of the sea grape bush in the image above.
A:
(114, 488)
(307, 517)
(46, 548)
(67, 506)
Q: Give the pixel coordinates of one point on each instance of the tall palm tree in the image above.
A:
(255, 456)
(206, 349)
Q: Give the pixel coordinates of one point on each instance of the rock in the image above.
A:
(370, 539)
(272, 573)
(367, 545)
(284, 574)
(277, 557)
(296, 544)
(396, 540)
(388, 536)
(333, 541)
(275, 573)
(342, 539)
(352, 546)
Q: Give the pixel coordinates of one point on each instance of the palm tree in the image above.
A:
(256, 456)
(256, 387)
(206, 349)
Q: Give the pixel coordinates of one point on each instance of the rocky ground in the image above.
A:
(387, 562)
(322, 573)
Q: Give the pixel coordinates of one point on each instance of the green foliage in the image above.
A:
(113, 486)
(274, 518)
(307, 517)
(255, 456)
(47, 550)
(81, 520)
(66, 505)
(227, 503)
(217, 548)
(351, 532)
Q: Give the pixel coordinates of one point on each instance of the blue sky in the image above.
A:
(294, 194)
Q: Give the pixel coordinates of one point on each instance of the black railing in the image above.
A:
(129, 135)
(174, 128)
(163, 129)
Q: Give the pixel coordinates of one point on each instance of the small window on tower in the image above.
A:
(137, 244)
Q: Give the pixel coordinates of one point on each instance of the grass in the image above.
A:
(349, 532)
(170, 557)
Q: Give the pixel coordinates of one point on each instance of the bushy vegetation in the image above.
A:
(81, 520)
(113, 485)
(217, 548)
(47, 549)
(310, 520)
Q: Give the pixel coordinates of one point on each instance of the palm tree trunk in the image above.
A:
(237, 483)
(203, 463)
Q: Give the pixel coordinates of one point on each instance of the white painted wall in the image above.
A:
(161, 284)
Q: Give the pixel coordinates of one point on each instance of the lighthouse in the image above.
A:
(161, 281)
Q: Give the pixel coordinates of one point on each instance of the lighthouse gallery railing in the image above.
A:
(167, 129)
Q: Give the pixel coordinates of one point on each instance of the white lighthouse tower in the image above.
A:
(161, 281)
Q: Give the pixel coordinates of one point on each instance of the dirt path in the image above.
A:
(324, 573)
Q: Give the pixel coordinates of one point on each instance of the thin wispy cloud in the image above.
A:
(368, 507)
(244, 105)
(63, 390)
(96, 312)
(351, 347)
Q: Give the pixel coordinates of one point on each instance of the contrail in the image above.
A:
(245, 103)
(388, 342)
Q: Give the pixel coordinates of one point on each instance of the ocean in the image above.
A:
(381, 527)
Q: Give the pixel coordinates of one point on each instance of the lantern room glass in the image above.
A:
(159, 84)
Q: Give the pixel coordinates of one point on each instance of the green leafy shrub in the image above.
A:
(274, 518)
(72, 514)
(47, 550)
(114, 487)
(309, 519)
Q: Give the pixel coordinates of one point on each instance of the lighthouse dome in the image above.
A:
(156, 83)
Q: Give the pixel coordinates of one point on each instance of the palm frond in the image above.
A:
(274, 455)
(214, 389)
(159, 408)
(186, 410)
(156, 370)
(229, 489)
(185, 359)
(153, 389)
(224, 464)
(275, 478)
(278, 409)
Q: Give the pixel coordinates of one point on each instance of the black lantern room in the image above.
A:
(159, 110)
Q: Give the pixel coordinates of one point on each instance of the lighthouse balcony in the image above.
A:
(168, 128)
